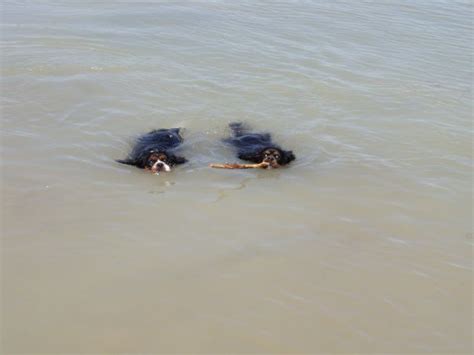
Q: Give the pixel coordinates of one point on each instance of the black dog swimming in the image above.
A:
(154, 151)
(257, 147)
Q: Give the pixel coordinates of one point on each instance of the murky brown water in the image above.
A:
(364, 244)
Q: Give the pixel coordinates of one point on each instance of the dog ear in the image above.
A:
(126, 161)
(179, 160)
(286, 157)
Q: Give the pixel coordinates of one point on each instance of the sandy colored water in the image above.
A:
(364, 244)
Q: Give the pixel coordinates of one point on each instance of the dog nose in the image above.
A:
(160, 165)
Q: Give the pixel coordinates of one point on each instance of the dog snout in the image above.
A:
(160, 166)
(271, 161)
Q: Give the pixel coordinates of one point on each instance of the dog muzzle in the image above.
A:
(160, 166)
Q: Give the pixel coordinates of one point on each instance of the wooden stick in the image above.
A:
(262, 165)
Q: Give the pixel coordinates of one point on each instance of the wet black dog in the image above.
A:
(154, 151)
(257, 147)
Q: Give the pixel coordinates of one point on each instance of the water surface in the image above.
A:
(364, 244)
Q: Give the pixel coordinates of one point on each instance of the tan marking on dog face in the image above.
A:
(272, 156)
(154, 157)
(163, 157)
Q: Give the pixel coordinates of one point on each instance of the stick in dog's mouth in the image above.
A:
(262, 165)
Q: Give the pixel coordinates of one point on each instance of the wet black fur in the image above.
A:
(250, 146)
(157, 141)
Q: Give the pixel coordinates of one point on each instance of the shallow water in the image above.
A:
(364, 244)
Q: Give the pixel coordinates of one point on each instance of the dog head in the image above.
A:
(155, 161)
(276, 157)
(162, 161)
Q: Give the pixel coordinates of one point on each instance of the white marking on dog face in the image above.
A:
(164, 166)
(167, 167)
